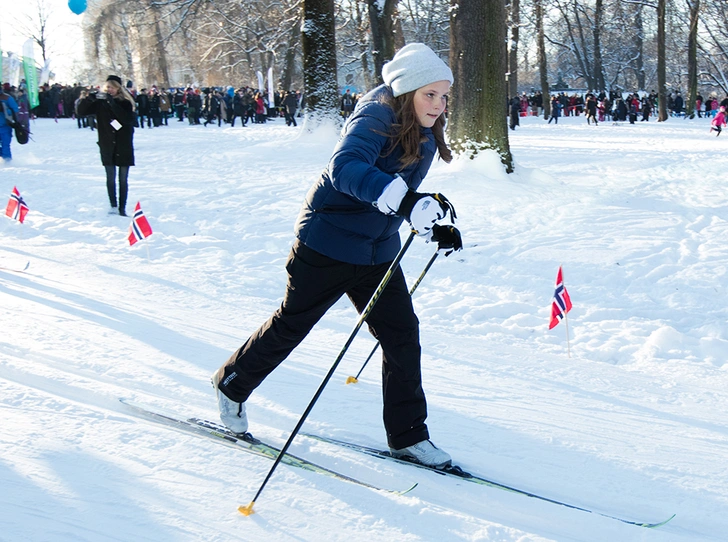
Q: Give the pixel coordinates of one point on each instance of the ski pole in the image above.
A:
(247, 510)
(355, 379)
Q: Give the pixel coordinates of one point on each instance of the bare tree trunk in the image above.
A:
(692, 59)
(513, 49)
(661, 62)
(319, 59)
(398, 32)
(368, 79)
(479, 95)
(364, 39)
(579, 52)
(382, 25)
(640, 50)
(127, 46)
(289, 62)
(588, 67)
(598, 67)
(377, 39)
(542, 66)
(388, 28)
(467, 61)
(161, 51)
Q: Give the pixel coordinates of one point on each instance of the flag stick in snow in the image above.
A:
(568, 344)
(355, 379)
(247, 510)
(566, 319)
(560, 306)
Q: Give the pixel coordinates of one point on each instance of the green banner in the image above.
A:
(31, 74)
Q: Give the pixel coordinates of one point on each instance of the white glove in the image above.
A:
(424, 210)
(392, 195)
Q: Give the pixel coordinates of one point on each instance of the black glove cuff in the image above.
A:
(447, 237)
(408, 203)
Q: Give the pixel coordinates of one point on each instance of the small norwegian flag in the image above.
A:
(139, 228)
(16, 209)
(561, 303)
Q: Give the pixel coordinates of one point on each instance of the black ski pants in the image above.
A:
(123, 185)
(315, 283)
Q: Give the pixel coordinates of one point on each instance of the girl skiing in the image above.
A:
(347, 236)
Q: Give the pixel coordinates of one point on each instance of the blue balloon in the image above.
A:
(77, 6)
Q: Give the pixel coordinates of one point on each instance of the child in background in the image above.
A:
(718, 122)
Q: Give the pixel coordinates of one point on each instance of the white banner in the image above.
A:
(261, 86)
(13, 76)
(45, 73)
(271, 96)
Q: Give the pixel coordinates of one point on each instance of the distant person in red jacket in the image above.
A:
(719, 121)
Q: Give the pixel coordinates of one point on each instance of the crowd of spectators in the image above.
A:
(227, 105)
(156, 106)
(613, 106)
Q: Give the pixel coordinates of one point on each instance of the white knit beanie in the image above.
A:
(414, 66)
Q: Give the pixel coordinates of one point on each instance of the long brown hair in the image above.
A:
(406, 132)
(122, 93)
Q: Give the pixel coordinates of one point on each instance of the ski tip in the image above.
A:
(408, 490)
(352, 380)
(247, 510)
(656, 525)
(27, 265)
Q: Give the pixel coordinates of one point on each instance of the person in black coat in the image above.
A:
(194, 106)
(621, 109)
(142, 107)
(591, 109)
(290, 104)
(238, 108)
(155, 111)
(678, 104)
(179, 104)
(114, 110)
(213, 108)
(646, 109)
(515, 112)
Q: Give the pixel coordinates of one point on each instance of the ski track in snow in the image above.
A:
(630, 425)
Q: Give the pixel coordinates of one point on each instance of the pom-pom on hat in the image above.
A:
(414, 66)
(114, 78)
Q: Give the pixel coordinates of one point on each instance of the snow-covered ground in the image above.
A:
(633, 424)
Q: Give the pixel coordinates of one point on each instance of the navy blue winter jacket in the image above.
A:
(338, 218)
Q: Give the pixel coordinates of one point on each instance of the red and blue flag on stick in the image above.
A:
(139, 228)
(16, 209)
(561, 303)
